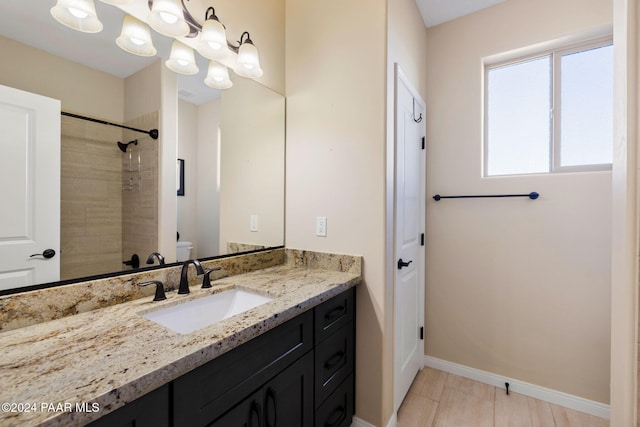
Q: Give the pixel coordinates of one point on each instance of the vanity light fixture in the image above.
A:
(248, 64)
(182, 59)
(218, 76)
(172, 19)
(116, 2)
(213, 39)
(167, 18)
(135, 37)
(77, 14)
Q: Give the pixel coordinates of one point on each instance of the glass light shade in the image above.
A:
(218, 76)
(116, 2)
(213, 40)
(167, 18)
(77, 14)
(182, 59)
(135, 37)
(248, 61)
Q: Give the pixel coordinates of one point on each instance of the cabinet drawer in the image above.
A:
(210, 390)
(333, 314)
(334, 360)
(338, 409)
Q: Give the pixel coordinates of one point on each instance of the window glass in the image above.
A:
(586, 129)
(551, 112)
(519, 123)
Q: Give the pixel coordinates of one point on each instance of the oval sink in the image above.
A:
(196, 314)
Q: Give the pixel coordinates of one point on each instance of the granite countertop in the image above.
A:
(105, 358)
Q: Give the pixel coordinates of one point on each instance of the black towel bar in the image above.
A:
(533, 195)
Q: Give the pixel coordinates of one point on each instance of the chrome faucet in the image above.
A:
(156, 255)
(184, 279)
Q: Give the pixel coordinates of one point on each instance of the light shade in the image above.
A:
(213, 40)
(182, 59)
(116, 2)
(77, 14)
(135, 37)
(167, 18)
(248, 62)
(218, 76)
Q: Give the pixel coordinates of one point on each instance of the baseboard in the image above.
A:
(542, 393)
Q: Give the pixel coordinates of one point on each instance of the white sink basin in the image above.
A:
(196, 314)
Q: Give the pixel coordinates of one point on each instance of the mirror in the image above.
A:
(224, 199)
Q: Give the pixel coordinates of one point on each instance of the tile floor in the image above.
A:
(439, 399)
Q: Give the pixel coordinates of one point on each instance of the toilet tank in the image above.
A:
(183, 251)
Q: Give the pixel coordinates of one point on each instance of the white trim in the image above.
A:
(538, 392)
(357, 422)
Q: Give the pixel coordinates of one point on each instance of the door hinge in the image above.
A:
(422, 332)
(422, 239)
(423, 143)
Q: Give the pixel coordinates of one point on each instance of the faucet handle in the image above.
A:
(159, 289)
(206, 280)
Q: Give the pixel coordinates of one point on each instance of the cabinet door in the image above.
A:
(247, 413)
(150, 410)
(288, 398)
(209, 391)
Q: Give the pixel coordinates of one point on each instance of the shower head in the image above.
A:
(123, 147)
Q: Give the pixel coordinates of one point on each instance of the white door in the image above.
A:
(409, 243)
(30, 174)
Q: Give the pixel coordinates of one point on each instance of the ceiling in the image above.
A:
(436, 12)
(29, 22)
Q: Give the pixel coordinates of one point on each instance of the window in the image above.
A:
(552, 112)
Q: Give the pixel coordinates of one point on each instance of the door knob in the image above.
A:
(47, 253)
(403, 264)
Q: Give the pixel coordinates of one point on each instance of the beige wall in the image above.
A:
(81, 90)
(624, 313)
(516, 287)
(335, 158)
(208, 190)
(252, 166)
(188, 151)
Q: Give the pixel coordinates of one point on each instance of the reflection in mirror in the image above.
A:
(110, 198)
(235, 148)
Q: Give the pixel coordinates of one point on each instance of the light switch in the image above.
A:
(321, 226)
(253, 223)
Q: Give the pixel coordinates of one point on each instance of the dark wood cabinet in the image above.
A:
(150, 410)
(299, 374)
(285, 401)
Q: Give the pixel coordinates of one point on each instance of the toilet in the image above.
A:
(183, 251)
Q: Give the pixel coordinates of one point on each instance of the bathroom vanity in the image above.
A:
(289, 361)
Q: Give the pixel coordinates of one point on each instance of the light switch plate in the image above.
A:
(253, 226)
(321, 226)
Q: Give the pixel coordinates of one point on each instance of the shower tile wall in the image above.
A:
(91, 199)
(140, 204)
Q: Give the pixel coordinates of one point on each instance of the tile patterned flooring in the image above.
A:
(439, 399)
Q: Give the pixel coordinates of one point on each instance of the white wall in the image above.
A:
(516, 287)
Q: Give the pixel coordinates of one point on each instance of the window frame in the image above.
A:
(555, 54)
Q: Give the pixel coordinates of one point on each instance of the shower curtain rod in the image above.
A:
(153, 133)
